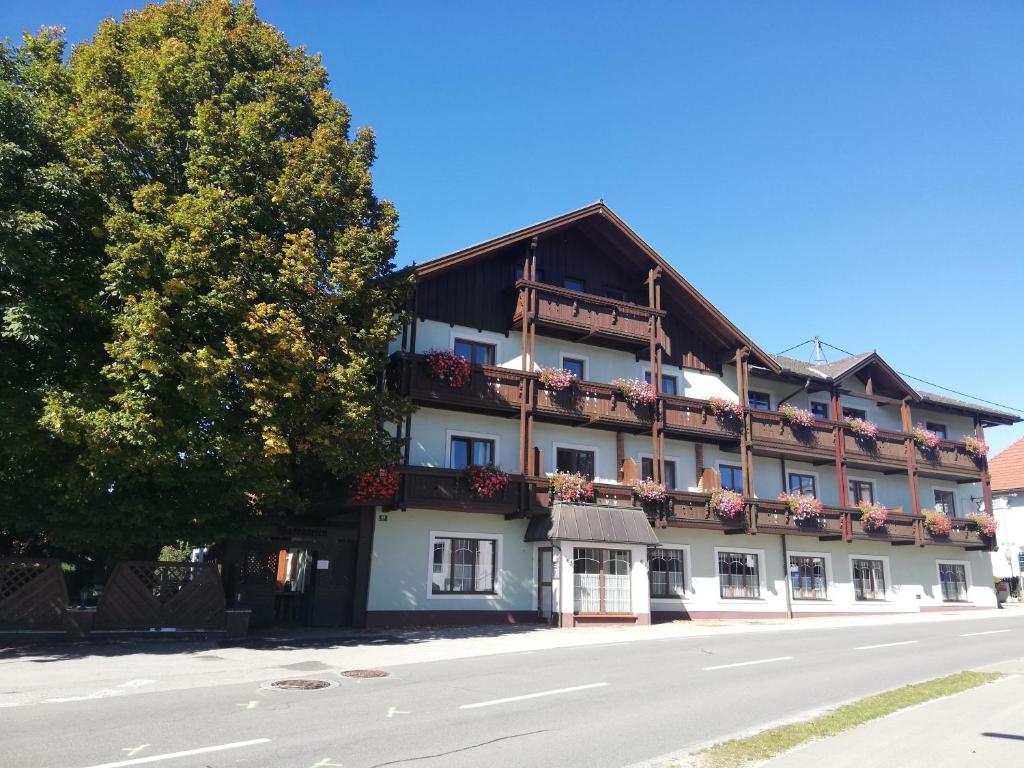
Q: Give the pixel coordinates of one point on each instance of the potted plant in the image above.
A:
(448, 367)
(556, 378)
(571, 486)
(937, 523)
(925, 438)
(486, 480)
(635, 392)
(873, 516)
(796, 417)
(725, 409)
(862, 428)
(802, 508)
(985, 522)
(975, 448)
(380, 483)
(726, 504)
(648, 491)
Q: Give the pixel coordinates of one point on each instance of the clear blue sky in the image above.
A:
(852, 170)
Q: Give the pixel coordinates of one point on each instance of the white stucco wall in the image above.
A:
(1009, 513)
(431, 428)
(563, 575)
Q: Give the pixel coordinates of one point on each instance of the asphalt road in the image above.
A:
(608, 705)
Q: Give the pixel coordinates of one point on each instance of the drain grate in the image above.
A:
(363, 673)
(300, 685)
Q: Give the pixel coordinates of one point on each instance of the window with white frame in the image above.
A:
(804, 485)
(647, 471)
(732, 477)
(861, 492)
(953, 581)
(575, 460)
(945, 501)
(465, 450)
(669, 384)
(868, 579)
(821, 411)
(479, 352)
(668, 572)
(808, 577)
(739, 575)
(601, 580)
(463, 565)
(577, 366)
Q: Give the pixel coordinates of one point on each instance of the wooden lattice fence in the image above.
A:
(156, 595)
(33, 594)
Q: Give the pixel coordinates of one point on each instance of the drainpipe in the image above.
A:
(785, 550)
(804, 388)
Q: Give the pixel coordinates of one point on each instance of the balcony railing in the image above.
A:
(448, 489)
(490, 388)
(965, 534)
(775, 517)
(584, 316)
(771, 435)
(899, 529)
(948, 460)
(687, 417)
(686, 509)
(887, 449)
(591, 404)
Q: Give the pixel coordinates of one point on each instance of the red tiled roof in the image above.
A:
(1007, 468)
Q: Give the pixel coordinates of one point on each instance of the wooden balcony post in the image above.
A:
(746, 456)
(908, 440)
(652, 343)
(986, 479)
(842, 483)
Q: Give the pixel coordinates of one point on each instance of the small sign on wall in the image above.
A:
(382, 517)
(323, 565)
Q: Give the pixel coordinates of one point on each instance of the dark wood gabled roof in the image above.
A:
(855, 365)
(600, 223)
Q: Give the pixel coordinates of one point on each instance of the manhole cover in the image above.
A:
(299, 685)
(363, 673)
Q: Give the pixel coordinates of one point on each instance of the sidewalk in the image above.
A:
(980, 727)
(73, 671)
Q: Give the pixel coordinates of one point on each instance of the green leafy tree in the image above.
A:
(247, 273)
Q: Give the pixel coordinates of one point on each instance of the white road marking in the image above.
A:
(185, 753)
(133, 751)
(249, 704)
(392, 711)
(990, 632)
(104, 694)
(326, 762)
(136, 683)
(532, 695)
(748, 663)
(884, 645)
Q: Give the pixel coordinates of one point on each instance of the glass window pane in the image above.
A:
(669, 385)
(575, 366)
(574, 284)
(460, 453)
(670, 475)
(646, 468)
(821, 411)
(483, 452)
(464, 349)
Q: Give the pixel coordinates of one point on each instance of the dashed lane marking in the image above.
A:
(990, 632)
(532, 695)
(183, 753)
(884, 645)
(748, 663)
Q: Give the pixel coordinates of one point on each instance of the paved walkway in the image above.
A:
(982, 727)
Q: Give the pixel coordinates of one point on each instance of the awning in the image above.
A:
(580, 522)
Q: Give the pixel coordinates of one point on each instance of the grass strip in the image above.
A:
(768, 744)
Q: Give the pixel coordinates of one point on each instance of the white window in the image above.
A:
(953, 578)
(464, 564)
(868, 577)
(667, 572)
(601, 580)
(739, 575)
(945, 501)
(808, 575)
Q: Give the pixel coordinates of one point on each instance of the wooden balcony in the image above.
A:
(490, 390)
(900, 529)
(589, 404)
(949, 461)
(586, 317)
(965, 535)
(686, 417)
(774, 517)
(886, 451)
(772, 436)
(690, 510)
(448, 489)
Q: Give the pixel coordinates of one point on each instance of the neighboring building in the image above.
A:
(1007, 470)
(583, 292)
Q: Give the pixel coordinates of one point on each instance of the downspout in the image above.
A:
(804, 388)
(785, 550)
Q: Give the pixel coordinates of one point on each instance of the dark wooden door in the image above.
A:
(332, 584)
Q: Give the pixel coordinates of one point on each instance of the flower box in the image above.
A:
(925, 438)
(726, 504)
(985, 522)
(796, 417)
(937, 523)
(635, 392)
(448, 367)
(648, 490)
(802, 508)
(486, 481)
(975, 448)
(725, 409)
(571, 486)
(873, 516)
(556, 378)
(381, 483)
(862, 428)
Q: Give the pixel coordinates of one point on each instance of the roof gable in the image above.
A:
(1007, 468)
(869, 367)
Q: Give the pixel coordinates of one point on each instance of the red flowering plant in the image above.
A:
(925, 438)
(448, 367)
(985, 522)
(571, 486)
(635, 392)
(725, 409)
(648, 490)
(861, 428)
(937, 523)
(381, 483)
(796, 417)
(873, 515)
(802, 507)
(726, 504)
(975, 448)
(486, 481)
(556, 378)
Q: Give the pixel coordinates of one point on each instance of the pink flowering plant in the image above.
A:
(861, 427)
(448, 367)
(796, 417)
(635, 392)
(725, 409)
(571, 486)
(648, 490)
(873, 516)
(925, 438)
(937, 523)
(726, 504)
(985, 522)
(802, 507)
(556, 378)
(381, 483)
(975, 448)
(486, 481)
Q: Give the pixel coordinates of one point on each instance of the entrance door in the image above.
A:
(333, 584)
(545, 567)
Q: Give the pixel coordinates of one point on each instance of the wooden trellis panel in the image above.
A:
(147, 595)
(32, 594)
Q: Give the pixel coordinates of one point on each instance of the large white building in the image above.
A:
(583, 293)
(1007, 470)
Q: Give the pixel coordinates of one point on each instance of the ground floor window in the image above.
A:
(953, 579)
(807, 575)
(463, 566)
(667, 573)
(601, 580)
(869, 579)
(738, 575)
